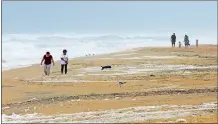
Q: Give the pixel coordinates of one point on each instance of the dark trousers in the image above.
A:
(64, 66)
(173, 43)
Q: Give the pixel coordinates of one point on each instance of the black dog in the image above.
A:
(120, 83)
(104, 67)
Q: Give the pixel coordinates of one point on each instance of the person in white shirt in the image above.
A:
(64, 61)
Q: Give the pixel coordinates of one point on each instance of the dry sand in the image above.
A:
(154, 76)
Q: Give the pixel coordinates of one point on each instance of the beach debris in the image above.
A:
(187, 72)
(89, 54)
(152, 75)
(181, 120)
(117, 98)
(7, 107)
(17, 78)
(75, 100)
(26, 110)
(34, 99)
(106, 99)
(13, 114)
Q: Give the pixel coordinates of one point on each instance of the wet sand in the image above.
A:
(154, 76)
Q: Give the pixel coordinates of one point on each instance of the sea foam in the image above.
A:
(20, 50)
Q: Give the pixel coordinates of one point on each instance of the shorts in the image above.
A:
(47, 68)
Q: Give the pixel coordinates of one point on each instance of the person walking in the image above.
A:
(64, 62)
(186, 41)
(47, 59)
(173, 39)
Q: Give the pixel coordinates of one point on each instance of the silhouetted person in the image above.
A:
(173, 39)
(186, 41)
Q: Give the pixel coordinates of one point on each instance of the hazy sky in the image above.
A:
(107, 16)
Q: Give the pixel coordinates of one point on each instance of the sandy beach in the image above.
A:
(162, 85)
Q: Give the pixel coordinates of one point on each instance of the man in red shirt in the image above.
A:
(48, 59)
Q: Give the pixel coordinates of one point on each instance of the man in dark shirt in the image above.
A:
(48, 59)
(173, 39)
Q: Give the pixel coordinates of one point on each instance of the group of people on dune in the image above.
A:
(48, 60)
(186, 40)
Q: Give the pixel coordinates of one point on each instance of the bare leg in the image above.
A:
(45, 69)
(48, 69)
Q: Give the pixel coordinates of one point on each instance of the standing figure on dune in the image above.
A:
(173, 39)
(47, 59)
(186, 41)
(64, 62)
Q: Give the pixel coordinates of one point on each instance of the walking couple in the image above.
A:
(48, 59)
(173, 40)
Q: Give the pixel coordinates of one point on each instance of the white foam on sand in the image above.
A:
(133, 58)
(79, 75)
(77, 100)
(126, 54)
(162, 87)
(144, 68)
(99, 58)
(106, 58)
(7, 107)
(111, 74)
(161, 57)
(125, 115)
(159, 68)
(91, 69)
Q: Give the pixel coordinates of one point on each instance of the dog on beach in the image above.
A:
(120, 83)
(105, 67)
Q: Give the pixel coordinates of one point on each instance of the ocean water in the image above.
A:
(20, 50)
